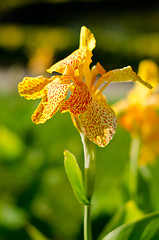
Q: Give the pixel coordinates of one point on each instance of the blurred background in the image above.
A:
(36, 200)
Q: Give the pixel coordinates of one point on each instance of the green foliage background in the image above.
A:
(36, 199)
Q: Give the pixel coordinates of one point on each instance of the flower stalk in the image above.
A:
(87, 223)
(89, 157)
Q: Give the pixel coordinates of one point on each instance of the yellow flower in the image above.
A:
(87, 105)
(139, 112)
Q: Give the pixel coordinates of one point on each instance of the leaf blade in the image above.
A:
(75, 177)
(139, 230)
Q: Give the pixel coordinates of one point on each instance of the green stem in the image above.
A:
(134, 155)
(87, 223)
(89, 157)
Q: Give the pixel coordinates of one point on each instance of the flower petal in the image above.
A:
(78, 101)
(75, 59)
(87, 39)
(99, 122)
(54, 95)
(95, 70)
(32, 88)
(75, 75)
(120, 75)
(86, 69)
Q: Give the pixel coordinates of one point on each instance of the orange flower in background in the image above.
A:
(87, 105)
(139, 112)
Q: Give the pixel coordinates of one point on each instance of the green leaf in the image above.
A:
(75, 177)
(145, 229)
(126, 214)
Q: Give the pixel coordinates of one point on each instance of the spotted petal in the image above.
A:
(120, 75)
(99, 122)
(76, 60)
(78, 101)
(32, 88)
(54, 95)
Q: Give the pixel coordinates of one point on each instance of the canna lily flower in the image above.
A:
(87, 105)
(139, 113)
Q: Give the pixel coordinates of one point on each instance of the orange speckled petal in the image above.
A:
(120, 75)
(99, 122)
(78, 101)
(76, 60)
(75, 75)
(32, 88)
(54, 95)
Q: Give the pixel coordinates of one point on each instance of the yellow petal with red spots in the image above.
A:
(120, 75)
(99, 122)
(32, 88)
(78, 101)
(54, 95)
(76, 60)
(75, 75)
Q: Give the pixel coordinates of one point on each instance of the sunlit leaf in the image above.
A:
(145, 229)
(127, 213)
(75, 177)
